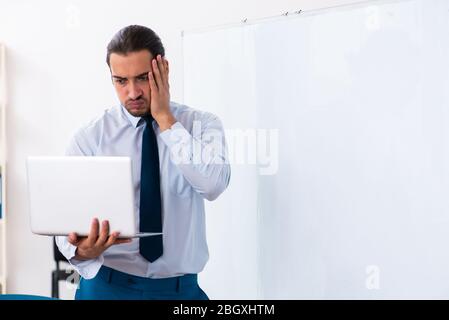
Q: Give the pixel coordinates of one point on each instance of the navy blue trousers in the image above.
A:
(110, 284)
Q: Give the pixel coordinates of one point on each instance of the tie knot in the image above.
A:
(148, 119)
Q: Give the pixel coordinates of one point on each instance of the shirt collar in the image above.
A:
(134, 120)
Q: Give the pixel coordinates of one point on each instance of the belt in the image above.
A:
(147, 284)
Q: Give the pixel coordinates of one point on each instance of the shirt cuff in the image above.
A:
(66, 248)
(87, 269)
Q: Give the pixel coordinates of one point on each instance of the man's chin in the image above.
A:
(138, 112)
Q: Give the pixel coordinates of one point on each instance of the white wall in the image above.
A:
(58, 79)
(358, 207)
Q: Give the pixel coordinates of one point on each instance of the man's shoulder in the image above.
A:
(109, 116)
(187, 114)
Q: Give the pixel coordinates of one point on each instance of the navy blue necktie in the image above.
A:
(150, 195)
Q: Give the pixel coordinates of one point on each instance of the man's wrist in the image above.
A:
(165, 121)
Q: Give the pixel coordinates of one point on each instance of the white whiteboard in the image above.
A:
(359, 205)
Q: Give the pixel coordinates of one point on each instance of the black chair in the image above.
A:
(58, 274)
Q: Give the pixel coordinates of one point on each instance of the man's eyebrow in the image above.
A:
(138, 76)
(119, 78)
(142, 74)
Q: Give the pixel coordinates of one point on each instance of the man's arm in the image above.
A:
(211, 174)
(202, 159)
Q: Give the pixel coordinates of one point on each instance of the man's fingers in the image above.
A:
(113, 239)
(153, 85)
(160, 63)
(157, 73)
(167, 68)
(93, 235)
(73, 238)
(124, 240)
(104, 233)
(161, 66)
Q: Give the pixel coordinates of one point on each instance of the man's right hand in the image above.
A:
(97, 242)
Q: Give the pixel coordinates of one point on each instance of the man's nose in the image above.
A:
(134, 91)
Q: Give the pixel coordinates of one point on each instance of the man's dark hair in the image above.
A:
(135, 38)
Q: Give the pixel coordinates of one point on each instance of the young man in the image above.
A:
(179, 159)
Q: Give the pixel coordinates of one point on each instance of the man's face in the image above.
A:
(130, 78)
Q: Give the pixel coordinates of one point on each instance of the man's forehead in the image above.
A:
(132, 64)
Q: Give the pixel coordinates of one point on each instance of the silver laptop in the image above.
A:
(66, 193)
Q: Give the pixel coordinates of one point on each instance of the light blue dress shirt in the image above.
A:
(193, 167)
